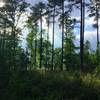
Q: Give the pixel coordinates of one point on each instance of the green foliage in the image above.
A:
(20, 75)
(53, 86)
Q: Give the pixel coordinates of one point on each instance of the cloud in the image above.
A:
(89, 35)
(90, 32)
(32, 2)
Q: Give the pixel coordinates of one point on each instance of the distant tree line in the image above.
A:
(17, 64)
(40, 52)
(67, 57)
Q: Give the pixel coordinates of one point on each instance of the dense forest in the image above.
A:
(34, 68)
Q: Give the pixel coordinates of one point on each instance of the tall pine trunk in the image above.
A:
(35, 54)
(41, 39)
(47, 44)
(97, 17)
(4, 37)
(62, 35)
(82, 35)
(53, 38)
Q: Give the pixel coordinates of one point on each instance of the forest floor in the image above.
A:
(56, 85)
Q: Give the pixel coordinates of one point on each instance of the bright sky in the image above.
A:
(1, 3)
(90, 33)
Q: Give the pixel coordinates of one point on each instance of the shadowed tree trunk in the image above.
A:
(97, 21)
(53, 38)
(35, 51)
(47, 41)
(62, 34)
(82, 3)
(41, 40)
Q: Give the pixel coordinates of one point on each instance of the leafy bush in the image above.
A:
(53, 86)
